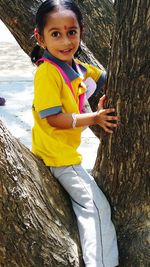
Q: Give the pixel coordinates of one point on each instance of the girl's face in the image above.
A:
(61, 35)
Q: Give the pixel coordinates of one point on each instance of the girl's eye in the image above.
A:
(72, 32)
(55, 34)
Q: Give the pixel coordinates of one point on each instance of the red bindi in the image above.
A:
(65, 27)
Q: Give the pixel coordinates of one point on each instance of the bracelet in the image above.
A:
(74, 120)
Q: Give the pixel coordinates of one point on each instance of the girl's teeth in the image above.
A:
(66, 50)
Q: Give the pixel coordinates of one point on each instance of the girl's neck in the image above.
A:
(49, 55)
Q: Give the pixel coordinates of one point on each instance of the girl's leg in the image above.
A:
(97, 233)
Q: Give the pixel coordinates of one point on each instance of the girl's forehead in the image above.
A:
(62, 18)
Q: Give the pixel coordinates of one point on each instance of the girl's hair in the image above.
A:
(47, 7)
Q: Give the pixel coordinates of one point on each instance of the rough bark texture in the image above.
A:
(38, 227)
(19, 17)
(99, 19)
(122, 166)
(30, 204)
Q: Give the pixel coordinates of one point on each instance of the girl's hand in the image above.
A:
(103, 118)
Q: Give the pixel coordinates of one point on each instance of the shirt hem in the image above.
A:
(61, 164)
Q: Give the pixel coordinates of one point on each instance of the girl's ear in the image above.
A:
(40, 40)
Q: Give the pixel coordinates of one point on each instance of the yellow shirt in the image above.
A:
(57, 147)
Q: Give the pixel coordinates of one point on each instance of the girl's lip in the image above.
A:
(66, 51)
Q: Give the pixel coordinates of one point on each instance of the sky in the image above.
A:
(5, 35)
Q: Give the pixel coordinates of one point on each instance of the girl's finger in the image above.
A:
(102, 102)
(111, 125)
(107, 130)
(111, 118)
(109, 110)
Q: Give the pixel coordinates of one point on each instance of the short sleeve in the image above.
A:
(91, 71)
(97, 74)
(47, 90)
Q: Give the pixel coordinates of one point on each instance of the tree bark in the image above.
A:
(99, 20)
(122, 165)
(38, 227)
(121, 168)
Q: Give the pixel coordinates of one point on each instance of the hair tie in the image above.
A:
(36, 30)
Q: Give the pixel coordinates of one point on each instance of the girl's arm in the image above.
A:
(100, 117)
(65, 120)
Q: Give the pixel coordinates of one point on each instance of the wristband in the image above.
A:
(74, 120)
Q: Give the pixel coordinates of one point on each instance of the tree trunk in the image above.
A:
(19, 17)
(122, 165)
(38, 227)
(99, 20)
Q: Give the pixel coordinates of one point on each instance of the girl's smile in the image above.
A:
(65, 52)
(61, 36)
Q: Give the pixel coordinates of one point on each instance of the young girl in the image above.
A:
(59, 92)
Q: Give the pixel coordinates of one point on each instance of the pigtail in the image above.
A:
(36, 54)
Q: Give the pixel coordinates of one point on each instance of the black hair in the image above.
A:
(41, 16)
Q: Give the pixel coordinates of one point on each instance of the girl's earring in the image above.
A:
(37, 37)
(43, 46)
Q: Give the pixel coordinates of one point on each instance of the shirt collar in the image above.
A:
(71, 72)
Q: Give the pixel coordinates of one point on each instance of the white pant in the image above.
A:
(97, 232)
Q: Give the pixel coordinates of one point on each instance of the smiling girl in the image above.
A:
(60, 88)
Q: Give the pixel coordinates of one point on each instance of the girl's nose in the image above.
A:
(66, 40)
